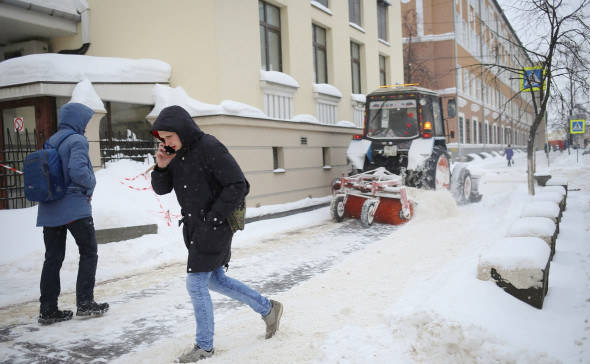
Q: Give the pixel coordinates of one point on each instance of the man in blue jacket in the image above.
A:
(209, 185)
(72, 213)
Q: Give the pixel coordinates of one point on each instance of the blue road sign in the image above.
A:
(577, 126)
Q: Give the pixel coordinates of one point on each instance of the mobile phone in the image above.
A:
(169, 150)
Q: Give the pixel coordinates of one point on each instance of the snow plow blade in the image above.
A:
(389, 210)
(374, 196)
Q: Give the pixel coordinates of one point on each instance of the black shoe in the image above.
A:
(56, 316)
(92, 308)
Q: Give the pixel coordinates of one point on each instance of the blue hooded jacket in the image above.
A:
(77, 169)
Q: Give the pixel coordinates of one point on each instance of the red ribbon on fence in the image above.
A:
(167, 215)
(12, 169)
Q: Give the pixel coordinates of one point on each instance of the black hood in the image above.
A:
(176, 119)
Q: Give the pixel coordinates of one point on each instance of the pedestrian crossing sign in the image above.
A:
(577, 126)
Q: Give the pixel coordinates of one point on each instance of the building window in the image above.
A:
(326, 157)
(278, 159)
(320, 64)
(323, 2)
(382, 19)
(382, 70)
(354, 12)
(481, 131)
(467, 131)
(355, 62)
(475, 131)
(460, 127)
(270, 36)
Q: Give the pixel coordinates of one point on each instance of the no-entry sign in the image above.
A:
(18, 124)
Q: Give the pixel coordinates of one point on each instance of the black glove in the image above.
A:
(213, 218)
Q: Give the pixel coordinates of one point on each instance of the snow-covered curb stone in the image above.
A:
(548, 209)
(520, 266)
(539, 227)
(557, 189)
(558, 181)
(550, 196)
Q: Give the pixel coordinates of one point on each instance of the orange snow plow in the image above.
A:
(376, 195)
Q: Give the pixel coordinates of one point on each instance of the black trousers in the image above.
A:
(55, 249)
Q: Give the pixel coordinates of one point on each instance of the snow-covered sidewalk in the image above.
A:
(412, 296)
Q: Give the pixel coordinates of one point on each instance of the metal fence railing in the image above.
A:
(17, 146)
(128, 146)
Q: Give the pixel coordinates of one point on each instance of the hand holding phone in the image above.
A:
(164, 155)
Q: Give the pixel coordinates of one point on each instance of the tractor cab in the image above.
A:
(403, 131)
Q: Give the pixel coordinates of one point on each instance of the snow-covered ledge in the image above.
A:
(327, 99)
(278, 91)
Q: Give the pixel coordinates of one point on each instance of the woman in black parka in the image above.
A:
(209, 185)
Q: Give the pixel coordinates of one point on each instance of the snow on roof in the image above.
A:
(531, 226)
(518, 253)
(165, 96)
(67, 68)
(66, 6)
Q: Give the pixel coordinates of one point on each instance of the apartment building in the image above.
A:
(301, 69)
(449, 46)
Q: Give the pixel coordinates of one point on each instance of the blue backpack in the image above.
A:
(43, 174)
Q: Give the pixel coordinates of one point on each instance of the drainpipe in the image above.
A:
(85, 25)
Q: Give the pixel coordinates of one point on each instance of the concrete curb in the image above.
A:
(105, 236)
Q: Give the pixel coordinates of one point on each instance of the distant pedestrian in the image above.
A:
(508, 152)
(209, 185)
(72, 213)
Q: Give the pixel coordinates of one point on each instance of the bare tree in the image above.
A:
(415, 68)
(555, 36)
(571, 99)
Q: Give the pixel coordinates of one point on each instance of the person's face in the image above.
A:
(171, 139)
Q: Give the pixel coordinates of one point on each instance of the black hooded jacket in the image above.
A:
(211, 184)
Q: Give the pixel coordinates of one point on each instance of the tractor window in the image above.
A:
(426, 110)
(438, 119)
(392, 119)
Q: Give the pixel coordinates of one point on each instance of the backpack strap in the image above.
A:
(62, 137)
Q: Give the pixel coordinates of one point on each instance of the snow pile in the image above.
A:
(84, 94)
(165, 96)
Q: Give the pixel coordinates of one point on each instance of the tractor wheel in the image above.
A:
(437, 174)
(368, 212)
(462, 185)
(337, 209)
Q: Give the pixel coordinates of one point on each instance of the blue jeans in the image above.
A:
(198, 285)
(55, 250)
